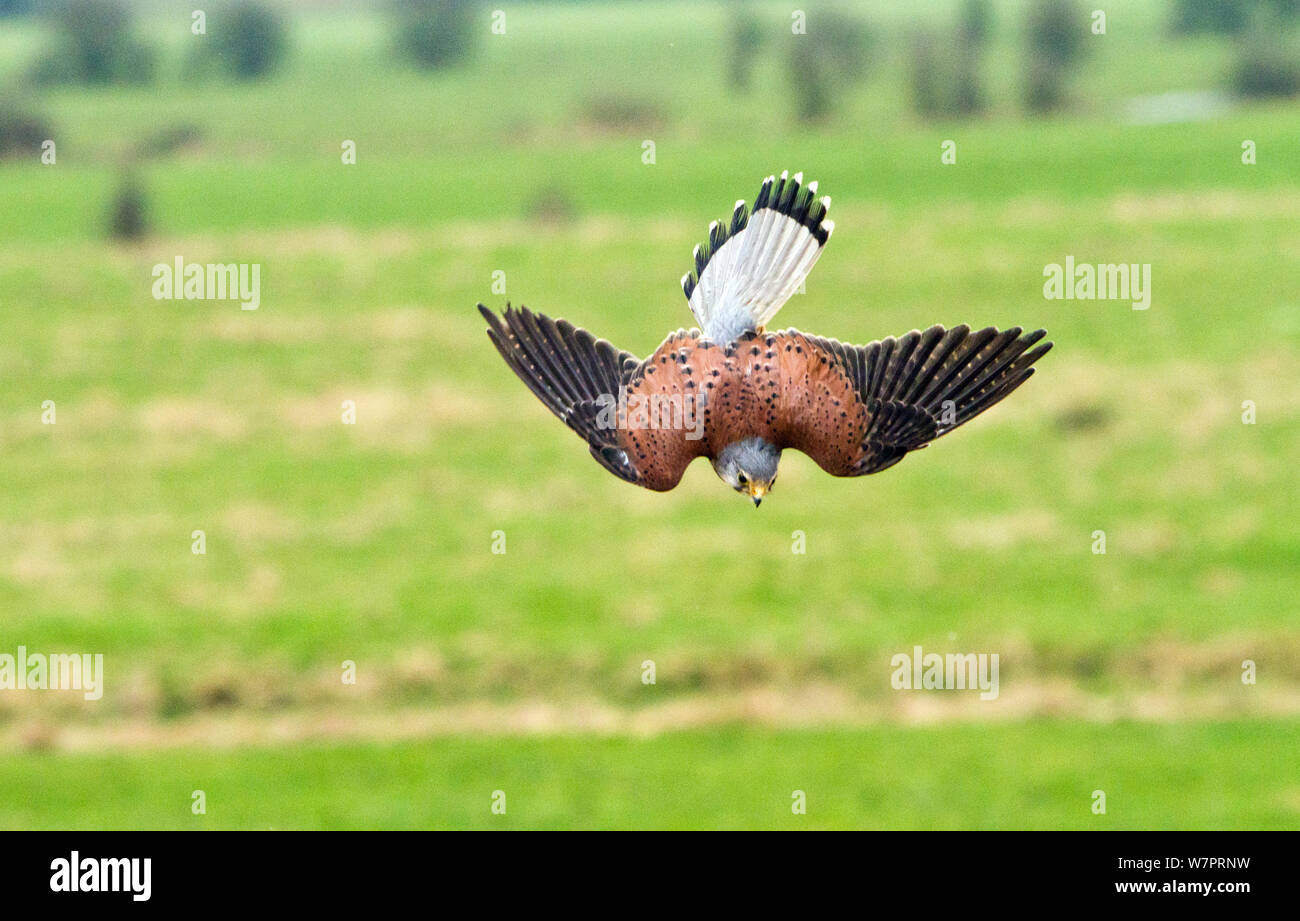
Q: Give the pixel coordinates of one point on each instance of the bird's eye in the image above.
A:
(740, 478)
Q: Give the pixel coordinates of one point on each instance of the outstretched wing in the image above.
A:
(585, 380)
(916, 388)
(571, 371)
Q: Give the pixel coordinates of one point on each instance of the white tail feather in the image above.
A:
(751, 265)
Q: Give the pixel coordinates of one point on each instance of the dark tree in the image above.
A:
(21, 131)
(1055, 31)
(250, 40)
(94, 44)
(833, 53)
(1231, 17)
(15, 8)
(128, 214)
(746, 40)
(929, 95)
(808, 72)
(1267, 65)
(976, 24)
(436, 33)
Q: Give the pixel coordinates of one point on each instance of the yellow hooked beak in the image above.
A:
(756, 492)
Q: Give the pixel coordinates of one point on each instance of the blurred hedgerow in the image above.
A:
(617, 113)
(551, 205)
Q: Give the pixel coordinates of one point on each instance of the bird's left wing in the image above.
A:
(585, 380)
(907, 391)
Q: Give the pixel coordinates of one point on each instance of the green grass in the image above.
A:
(372, 543)
(1183, 777)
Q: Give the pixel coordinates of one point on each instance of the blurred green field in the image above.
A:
(371, 542)
(1183, 777)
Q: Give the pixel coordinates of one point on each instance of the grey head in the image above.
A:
(749, 467)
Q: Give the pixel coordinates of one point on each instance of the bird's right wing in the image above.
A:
(572, 372)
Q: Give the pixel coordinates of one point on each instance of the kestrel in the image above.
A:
(739, 395)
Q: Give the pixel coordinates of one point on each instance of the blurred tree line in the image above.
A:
(97, 42)
(1230, 17)
(1268, 54)
(944, 65)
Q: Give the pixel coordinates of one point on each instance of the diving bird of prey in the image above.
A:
(738, 394)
